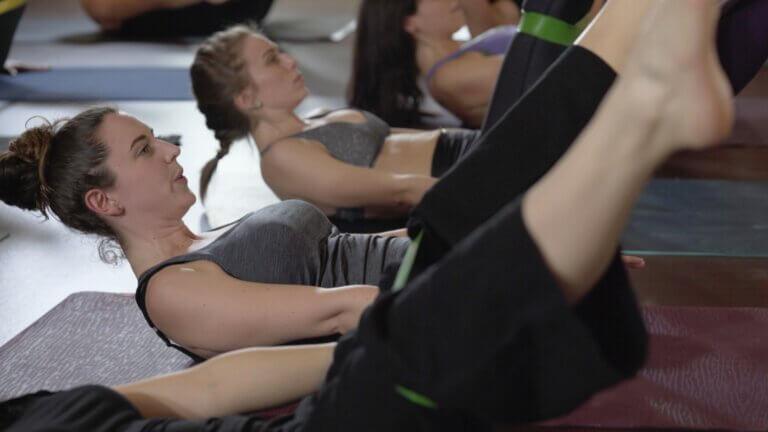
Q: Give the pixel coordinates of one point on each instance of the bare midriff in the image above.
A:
(408, 153)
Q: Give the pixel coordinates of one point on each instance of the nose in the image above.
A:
(170, 151)
(290, 62)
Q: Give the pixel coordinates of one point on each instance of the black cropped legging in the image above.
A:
(481, 330)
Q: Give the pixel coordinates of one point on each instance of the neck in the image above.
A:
(148, 247)
(431, 49)
(274, 126)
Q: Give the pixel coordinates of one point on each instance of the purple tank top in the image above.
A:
(492, 42)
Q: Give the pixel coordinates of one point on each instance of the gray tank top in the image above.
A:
(291, 242)
(354, 143)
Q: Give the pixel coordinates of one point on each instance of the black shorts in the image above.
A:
(452, 145)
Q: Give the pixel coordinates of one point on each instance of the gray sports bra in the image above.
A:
(353, 143)
(291, 242)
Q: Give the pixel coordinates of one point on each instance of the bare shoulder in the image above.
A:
(345, 115)
(289, 150)
(188, 274)
(462, 71)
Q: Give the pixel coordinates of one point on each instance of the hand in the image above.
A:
(633, 262)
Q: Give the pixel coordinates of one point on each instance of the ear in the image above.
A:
(245, 100)
(102, 204)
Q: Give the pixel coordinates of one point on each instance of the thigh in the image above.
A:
(543, 125)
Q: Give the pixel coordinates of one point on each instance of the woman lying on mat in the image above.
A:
(166, 18)
(515, 319)
(408, 70)
(349, 163)
(254, 282)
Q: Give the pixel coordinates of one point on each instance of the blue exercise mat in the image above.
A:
(700, 217)
(95, 84)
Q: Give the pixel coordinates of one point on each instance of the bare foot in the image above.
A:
(675, 70)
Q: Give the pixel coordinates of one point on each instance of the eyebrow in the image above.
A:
(139, 139)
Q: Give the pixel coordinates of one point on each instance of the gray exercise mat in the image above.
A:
(700, 217)
(96, 84)
(89, 338)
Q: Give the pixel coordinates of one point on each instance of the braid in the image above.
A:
(218, 74)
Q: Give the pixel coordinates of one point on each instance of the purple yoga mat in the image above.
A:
(707, 369)
(88, 338)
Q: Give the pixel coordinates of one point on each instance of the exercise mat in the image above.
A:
(89, 338)
(707, 369)
(97, 84)
(700, 217)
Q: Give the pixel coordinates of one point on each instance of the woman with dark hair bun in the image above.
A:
(254, 282)
(520, 320)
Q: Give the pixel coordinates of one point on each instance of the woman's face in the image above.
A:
(277, 82)
(148, 179)
(437, 18)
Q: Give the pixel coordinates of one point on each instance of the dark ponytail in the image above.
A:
(385, 74)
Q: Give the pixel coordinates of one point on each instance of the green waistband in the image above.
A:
(548, 28)
(405, 266)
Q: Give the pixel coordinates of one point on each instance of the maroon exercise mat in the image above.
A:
(707, 369)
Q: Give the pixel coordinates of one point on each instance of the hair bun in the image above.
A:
(33, 144)
(22, 169)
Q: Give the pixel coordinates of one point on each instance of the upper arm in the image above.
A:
(201, 307)
(465, 85)
(298, 171)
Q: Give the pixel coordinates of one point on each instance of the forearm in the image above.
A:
(111, 13)
(576, 212)
(413, 188)
(351, 301)
(237, 382)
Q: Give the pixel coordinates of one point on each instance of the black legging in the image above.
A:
(482, 329)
